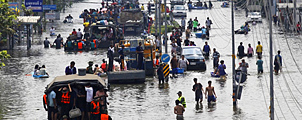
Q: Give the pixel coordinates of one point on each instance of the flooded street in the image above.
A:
(21, 96)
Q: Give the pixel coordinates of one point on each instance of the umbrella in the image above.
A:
(104, 9)
(115, 3)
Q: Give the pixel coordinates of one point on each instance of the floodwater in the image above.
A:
(21, 96)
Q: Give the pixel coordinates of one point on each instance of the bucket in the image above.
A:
(82, 71)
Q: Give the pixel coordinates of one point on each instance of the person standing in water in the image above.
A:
(197, 88)
(259, 63)
(179, 110)
(278, 62)
(259, 49)
(211, 93)
(46, 43)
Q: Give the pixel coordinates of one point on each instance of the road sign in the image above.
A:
(165, 58)
(51, 16)
(35, 5)
(49, 7)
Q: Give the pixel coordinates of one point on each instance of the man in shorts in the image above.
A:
(211, 92)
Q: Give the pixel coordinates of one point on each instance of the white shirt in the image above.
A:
(183, 63)
(52, 30)
(79, 34)
(89, 94)
(208, 22)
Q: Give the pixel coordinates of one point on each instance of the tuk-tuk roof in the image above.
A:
(75, 77)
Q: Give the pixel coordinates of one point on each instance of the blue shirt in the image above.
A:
(51, 96)
(70, 71)
(206, 48)
(278, 57)
(204, 31)
(221, 69)
(260, 64)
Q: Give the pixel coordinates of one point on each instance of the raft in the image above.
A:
(39, 76)
(190, 6)
(214, 75)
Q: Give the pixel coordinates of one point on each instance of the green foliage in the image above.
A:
(3, 56)
(6, 17)
(27, 12)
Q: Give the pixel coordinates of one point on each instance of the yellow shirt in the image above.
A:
(142, 8)
(259, 48)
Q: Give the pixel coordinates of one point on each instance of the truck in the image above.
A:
(132, 21)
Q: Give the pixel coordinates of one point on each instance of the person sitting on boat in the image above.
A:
(97, 70)
(69, 17)
(204, 32)
(89, 68)
(104, 66)
(37, 71)
(52, 31)
(43, 70)
(198, 4)
(71, 69)
(221, 70)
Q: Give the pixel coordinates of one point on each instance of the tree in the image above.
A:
(7, 17)
(3, 57)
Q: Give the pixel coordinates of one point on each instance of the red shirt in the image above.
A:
(74, 32)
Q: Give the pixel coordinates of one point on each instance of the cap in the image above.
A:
(179, 92)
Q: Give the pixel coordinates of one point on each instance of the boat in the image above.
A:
(225, 4)
(195, 6)
(75, 81)
(214, 75)
(39, 76)
(68, 20)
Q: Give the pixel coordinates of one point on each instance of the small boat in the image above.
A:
(190, 6)
(39, 76)
(68, 20)
(214, 75)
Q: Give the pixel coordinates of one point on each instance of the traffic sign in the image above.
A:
(49, 7)
(165, 58)
(35, 5)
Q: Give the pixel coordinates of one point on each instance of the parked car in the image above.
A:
(195, 57)
(179, 11)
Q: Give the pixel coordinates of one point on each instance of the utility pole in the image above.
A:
(159, 22)
(295, 14)
(272, 109)
(233, 58)
(166, 37)
(156, 10)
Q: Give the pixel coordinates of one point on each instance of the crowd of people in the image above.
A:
(91, 100)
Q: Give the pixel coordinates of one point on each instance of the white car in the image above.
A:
(179, 11)
(254, 17)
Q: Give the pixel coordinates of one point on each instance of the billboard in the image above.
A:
(35, 5)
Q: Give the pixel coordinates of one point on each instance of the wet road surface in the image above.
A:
(21, 96)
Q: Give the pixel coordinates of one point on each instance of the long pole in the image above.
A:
(166, 46)
(233, 57)
(156, 10)
(272, 115)
(295, 14)
(159, 21)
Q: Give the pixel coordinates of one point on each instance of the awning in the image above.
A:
(28, 19)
